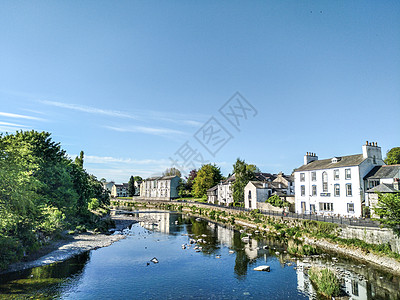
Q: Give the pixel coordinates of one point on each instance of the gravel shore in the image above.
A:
(64, 249)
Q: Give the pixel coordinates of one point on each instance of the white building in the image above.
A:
(257, 192)
(160, 188)
(335, 186)
(119, 190)
(225, 191)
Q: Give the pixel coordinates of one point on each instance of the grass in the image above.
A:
(325, 281)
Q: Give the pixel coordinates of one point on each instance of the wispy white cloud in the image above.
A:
(17, 116)
(12, 124)
(88, 109)
(147, 130)
(120, 169)
(107, 159)
(142, 115)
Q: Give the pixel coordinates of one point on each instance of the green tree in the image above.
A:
(41, 191)
(172, 172)
(393, 156)
(388, 209)
(138, 178)
(131, 186)
(79, 159)
(208, 176)
(243, 174)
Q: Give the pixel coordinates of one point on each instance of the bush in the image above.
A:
(325, 281)
(10, 251)
(93, 204)
(276, 201)
(53, 220)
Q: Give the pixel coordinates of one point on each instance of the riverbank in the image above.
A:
(72, 245)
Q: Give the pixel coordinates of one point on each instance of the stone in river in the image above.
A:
(262, 268)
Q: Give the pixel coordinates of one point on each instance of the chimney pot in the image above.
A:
(366, 143)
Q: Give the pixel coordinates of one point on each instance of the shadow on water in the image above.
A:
(43, 282)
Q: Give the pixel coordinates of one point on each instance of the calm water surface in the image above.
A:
(125, 271)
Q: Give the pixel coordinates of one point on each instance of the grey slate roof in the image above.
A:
(390, 171)
(383, 188)
(345, 161)
(161, 178)
(259, 184)
(215, 187)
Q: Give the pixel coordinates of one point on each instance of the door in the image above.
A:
(303, 207)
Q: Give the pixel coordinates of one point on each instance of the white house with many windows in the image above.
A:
(160, 188)
(335, 186)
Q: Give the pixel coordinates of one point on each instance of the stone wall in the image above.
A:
(372, 236)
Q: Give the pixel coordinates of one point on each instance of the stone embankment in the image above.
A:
(390, 264)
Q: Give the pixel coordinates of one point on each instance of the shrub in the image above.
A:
(53, 220)
(93, 204)
(10, 251)
(325, 281)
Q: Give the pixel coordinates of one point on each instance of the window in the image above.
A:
(326, 206)
(336, 174)
(249, 195)
(303, 190)
(350, 207)
(373, 183)
(314, 176)
(302, 177)
(325, 182)
(348, 173)
(348, 190)
(337, 190)
(314, 190)
(312, 208)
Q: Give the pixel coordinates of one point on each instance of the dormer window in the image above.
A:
(335, 160)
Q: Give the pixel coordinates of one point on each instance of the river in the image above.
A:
(219, 266)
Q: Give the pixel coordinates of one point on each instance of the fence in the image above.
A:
(361, 222)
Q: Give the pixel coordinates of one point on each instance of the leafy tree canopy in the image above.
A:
(41, 191)
(393, 156)
(131, 186)
(208, 176)
(388, 209)
(172, 172)
(243, 174)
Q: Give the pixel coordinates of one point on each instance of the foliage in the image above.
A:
(243, 174)
(325, 281)
(276, 201)
(131, 187)
(388, 209)
(79, 159)
(172, 172)
(93, 204)
(186, 185)
(208, 176)
(52, 220)
(393, 156)
(41, 190)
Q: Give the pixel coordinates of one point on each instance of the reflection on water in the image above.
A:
(197, 259)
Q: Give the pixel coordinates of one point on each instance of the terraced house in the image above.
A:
(335, 186)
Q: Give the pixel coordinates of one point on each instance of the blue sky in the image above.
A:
(130, 82)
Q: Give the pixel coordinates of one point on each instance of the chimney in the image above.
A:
(371, 150)
(309, 157)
